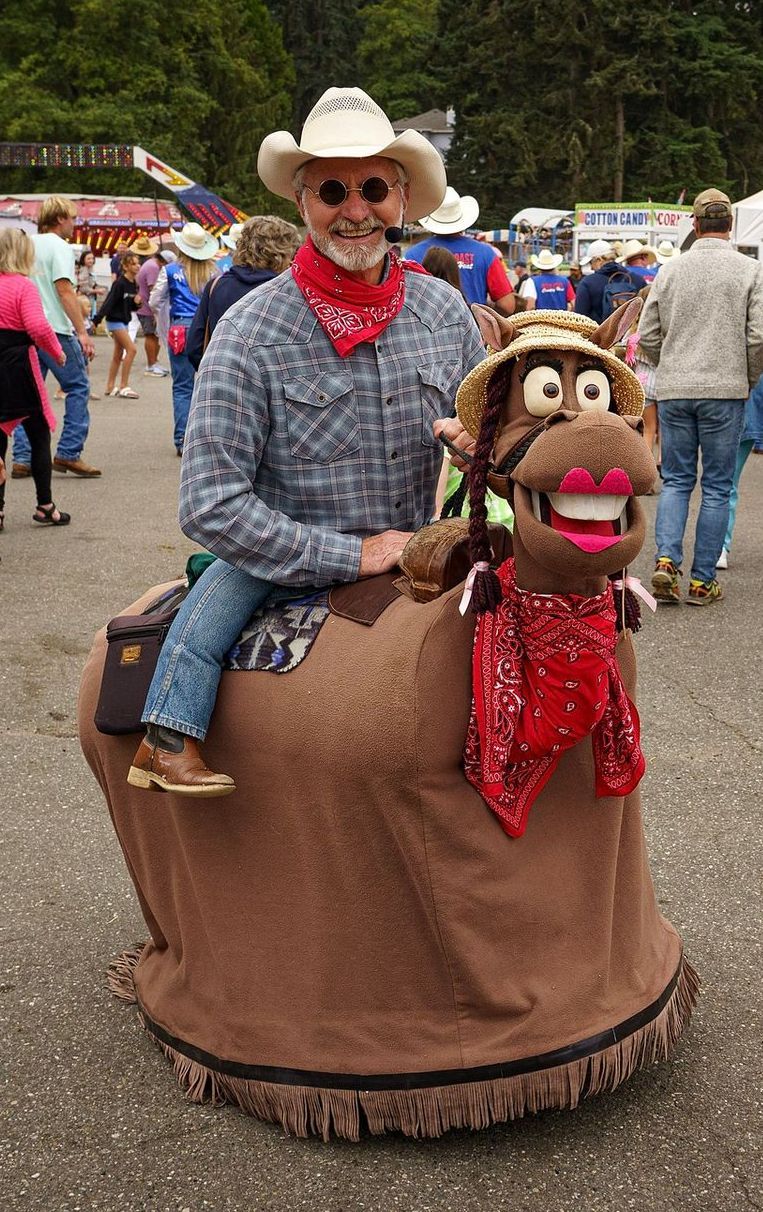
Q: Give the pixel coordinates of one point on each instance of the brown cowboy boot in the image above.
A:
(169, 761)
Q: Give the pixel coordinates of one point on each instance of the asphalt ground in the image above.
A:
(92, 1117)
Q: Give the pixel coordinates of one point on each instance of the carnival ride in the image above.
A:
(97, 223)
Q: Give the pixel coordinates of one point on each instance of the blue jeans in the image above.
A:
(72, 379)
(183, 376)
(743, 454)
(183, 691)
(686, 428)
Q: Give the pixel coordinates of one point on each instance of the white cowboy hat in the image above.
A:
(195, 242)
(346, 122)
(453, 215)
(666, 251)
(231, 237)
(597, 248)
(634, 248)
(546, 259)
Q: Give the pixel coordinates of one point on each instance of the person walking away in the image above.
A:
(181, 284)
(483, 273)
(548, 290)
(151, 264)
(752, 436)
(703, 328)
(229, 242)
(589, 297)
(646, 374)
(639, 259)
(312, 448)
(117, 309)
(23, 398)
(54, 276)
(265, 246)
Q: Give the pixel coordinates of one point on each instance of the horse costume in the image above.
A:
(428, 905)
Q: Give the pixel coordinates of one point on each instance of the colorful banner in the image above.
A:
(198, 202)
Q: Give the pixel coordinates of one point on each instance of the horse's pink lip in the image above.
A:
(580, 481)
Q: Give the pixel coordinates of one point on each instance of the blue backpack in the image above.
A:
(621, 287)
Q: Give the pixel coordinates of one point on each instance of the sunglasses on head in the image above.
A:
(333, 193)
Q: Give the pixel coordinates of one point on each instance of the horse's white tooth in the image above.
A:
(536, 504)
(587, 506)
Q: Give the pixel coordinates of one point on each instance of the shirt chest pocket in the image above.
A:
(439, 381)
(322, 417)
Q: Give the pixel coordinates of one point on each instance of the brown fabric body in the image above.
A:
(355, 907)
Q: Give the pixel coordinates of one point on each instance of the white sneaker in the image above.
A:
(723, 559)
(157, 371)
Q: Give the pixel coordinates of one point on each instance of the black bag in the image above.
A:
(134, 643)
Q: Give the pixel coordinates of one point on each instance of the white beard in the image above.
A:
(355, 260)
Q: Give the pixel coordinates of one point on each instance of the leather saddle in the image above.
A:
(435, 560)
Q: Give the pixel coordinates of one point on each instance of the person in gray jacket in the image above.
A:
(703, 328)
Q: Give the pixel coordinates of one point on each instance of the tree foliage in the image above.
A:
(556, 101)
(200, 91)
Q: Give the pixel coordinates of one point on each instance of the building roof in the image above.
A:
(434, 122)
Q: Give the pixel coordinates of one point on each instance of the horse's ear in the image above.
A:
(496, 330)
(617, 325)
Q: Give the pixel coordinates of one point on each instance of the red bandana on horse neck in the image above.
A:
(348, 310)
(544, 677)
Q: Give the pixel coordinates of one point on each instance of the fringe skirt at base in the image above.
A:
(432, 1110)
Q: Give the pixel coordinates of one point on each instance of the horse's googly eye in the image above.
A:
(543, 391)
(593, 391)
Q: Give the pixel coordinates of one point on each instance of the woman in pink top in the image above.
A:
(23, 399)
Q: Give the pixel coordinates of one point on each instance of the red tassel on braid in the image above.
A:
(486, 588)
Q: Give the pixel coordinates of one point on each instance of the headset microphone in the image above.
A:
(393, 235)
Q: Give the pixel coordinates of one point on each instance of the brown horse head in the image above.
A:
(557, 420)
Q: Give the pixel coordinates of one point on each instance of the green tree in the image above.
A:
(557, 102)
(394, 55)
(322, 38)
(201, 92)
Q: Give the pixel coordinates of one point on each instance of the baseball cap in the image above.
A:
(712, 202)
(597, 248)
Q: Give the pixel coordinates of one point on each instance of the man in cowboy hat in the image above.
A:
(703, 327)
(311, 454)
(480, 266)
(546, 289)
(152, 263)
(589, 299)
(640, 259)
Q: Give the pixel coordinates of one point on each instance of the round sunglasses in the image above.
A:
(333, 193)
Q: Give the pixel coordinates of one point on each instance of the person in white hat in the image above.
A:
(179, 287)
(311, 453)
(640, 259)
(481, 269)
(592, 295)
(547, 289)
(665, 251)
(229, 240)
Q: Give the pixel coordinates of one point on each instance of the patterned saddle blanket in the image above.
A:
(280, 635)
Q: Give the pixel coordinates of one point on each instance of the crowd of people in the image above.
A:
(696, 347)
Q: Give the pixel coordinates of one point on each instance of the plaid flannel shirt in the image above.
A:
(293, 455)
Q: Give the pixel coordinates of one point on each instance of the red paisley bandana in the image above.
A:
(348, 310)
(544, 677)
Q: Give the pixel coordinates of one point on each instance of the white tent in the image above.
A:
(537, 217)
(748, 223)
